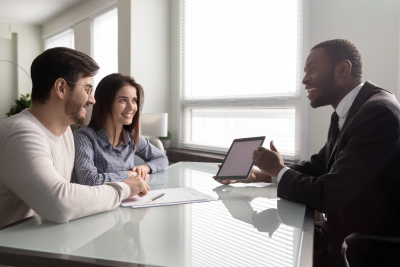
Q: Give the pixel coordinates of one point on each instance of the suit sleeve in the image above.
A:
(367, 147)
(316, 166)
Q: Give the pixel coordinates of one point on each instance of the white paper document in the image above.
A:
(173, 196)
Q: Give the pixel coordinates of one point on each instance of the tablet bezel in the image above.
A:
(241, 177)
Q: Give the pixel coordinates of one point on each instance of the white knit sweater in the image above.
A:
(35, 174)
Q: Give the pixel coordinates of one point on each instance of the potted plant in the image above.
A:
(21, 104)
(166, 140)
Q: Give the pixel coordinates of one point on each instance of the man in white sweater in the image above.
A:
(37, 146)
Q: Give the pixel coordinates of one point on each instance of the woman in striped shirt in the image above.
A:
(105, 149)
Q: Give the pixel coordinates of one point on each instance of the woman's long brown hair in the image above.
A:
(105, 94)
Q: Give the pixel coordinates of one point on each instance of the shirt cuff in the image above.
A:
(281, 172)
(124, 188)
(151, 166)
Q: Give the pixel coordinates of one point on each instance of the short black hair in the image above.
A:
(341, 49)
(55, 63)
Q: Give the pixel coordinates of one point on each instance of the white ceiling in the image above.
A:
(33, 11)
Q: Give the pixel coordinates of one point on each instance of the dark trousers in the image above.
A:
(327, 248)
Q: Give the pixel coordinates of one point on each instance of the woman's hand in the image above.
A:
(142, 170)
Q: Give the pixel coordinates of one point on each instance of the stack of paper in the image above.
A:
(173, 196)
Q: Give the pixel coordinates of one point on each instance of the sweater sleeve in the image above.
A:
(154, 158)
(27, 170)
(85, 170)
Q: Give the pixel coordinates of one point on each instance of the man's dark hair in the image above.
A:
(55, 63)
(341, 49)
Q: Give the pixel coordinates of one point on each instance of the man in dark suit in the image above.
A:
(355, 177)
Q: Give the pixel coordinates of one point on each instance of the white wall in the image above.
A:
(373, 26)
(29, 46)
(8, 75)
(148, 47)
(150, 58)
(83, 43)
(175, 103)
(21, 44)
(81, 34)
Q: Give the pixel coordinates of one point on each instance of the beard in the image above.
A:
(73, 110)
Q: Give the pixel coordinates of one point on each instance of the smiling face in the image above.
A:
(124, 106)
(319, 79)
(79, 99)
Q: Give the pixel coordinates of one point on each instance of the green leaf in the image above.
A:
(20, 104)
(167, 137)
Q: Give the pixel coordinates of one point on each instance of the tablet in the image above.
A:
(238, 162)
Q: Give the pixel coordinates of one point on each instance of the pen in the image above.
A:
(154, 198)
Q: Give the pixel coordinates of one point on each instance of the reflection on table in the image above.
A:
(238, 201)
(249, 226)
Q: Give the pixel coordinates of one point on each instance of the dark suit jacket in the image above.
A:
(357, 180)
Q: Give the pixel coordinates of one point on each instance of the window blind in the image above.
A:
(105, 43)
(241, 73)
(63, 39)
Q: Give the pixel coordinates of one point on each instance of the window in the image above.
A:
(105, 43)
(64, 39)
(241, 73)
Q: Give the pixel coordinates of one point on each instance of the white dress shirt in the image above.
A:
(342, 110)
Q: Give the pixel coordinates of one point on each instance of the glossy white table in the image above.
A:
(247, 226)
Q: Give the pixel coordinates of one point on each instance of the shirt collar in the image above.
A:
(345, 104)
(105, 141)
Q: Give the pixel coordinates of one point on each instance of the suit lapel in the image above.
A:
(360, 99)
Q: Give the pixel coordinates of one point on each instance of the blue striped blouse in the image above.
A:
(97, 161)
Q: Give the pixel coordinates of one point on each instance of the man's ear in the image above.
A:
(345, 67)
(59, 87)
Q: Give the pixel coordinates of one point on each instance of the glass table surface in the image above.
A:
(248, 225)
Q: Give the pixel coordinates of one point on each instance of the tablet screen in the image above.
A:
(239, 160)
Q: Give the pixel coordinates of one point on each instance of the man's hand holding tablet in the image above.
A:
(269, 161)
(255, 176)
